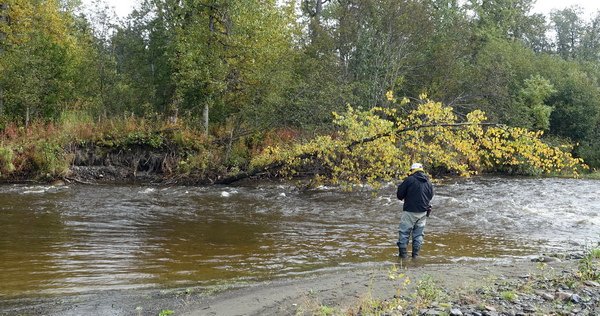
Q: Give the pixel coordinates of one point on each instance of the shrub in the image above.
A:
(6, 161)
(589, 266)
(49, 159)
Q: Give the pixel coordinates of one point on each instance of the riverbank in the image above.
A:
(137, 150)
(553, 286)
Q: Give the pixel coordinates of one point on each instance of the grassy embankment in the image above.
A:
(47, 151)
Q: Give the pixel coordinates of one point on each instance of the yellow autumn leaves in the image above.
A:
(378, 145)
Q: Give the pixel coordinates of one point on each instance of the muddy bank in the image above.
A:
(486, 288)
(483, 289)
(92, 164)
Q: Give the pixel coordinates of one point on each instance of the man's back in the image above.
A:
(416, 191)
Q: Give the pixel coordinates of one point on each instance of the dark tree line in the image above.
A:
(254, 65)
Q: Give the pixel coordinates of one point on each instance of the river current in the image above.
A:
(76, 239)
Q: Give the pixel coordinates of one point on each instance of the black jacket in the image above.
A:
(416, 191)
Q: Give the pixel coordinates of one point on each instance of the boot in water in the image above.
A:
(415, 252)
(403, 253)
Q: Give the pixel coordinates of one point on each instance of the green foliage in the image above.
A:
(535, 114)
(326, 311)
(589, 266)
(510, 296)
(40, 63)
(231, 53)
(197, 163)
(153, 140)
(50, 159)
(6, 160)
(589, 150)
(166, 312)
(504, 19)
(568, 26)
(248, 66)
(427, 290)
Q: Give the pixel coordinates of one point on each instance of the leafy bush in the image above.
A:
(589, 266)
(6, 161)
(49, 159)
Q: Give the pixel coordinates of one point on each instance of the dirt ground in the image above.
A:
(339, 288)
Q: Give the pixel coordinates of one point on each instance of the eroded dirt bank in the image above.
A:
(518, 287)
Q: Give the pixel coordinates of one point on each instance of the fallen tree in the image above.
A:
(379, 144)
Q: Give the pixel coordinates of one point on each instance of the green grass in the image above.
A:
(589, 266)
(510, 296)
(428, 290)
(166, 312)
(594, 175)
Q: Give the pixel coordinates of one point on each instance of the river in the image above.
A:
(78, 239)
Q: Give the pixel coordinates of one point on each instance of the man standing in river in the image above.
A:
(416, 191)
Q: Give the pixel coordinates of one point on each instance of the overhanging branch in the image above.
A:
(279, 164)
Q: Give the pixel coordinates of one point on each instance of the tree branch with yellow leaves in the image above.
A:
(378, 145)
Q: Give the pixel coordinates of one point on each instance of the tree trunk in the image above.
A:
(27, 117)
(205, 117)
(315, 23)
(318, 8)
(3, 19)
(1, 101)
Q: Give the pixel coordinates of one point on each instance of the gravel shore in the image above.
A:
(543, 286)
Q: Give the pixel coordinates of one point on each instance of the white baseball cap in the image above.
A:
(416, 165)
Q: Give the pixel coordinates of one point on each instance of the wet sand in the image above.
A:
(341, 288)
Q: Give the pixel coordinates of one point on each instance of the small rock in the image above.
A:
(476, 314)
(57, 183)
(455, 312)
(563, 296)
(575, 298)
(579, 255)
(547, 296)
(529, 308)
(591, 283)
(490, 308)
(545, 259)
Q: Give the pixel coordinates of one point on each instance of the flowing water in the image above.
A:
(75, 239)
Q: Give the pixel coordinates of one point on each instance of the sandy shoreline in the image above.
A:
(342, 289)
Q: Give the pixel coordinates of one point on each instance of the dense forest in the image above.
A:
(240, 75)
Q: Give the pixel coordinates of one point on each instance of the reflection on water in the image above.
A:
(81, 238)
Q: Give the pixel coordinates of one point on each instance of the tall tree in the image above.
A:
(447, 59)
(379, 42)
(143, 50)
(3, 27)
(228, 53)
(568, 27)
(40, 58)
(504, 18)
(590, 40)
